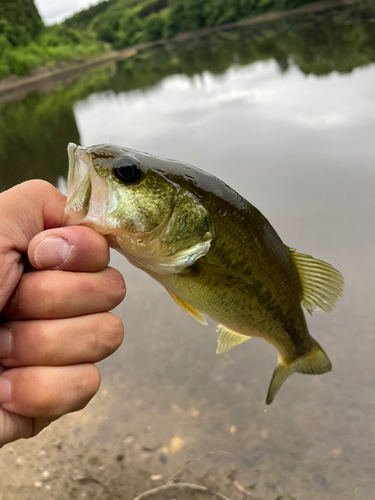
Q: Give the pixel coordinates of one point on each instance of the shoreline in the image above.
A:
(14, 88)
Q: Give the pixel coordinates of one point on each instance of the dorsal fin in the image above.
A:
(188, 308)
(228, 339)
(322, 284)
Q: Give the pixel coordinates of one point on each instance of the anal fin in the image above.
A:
(228, 339)
(188, 308)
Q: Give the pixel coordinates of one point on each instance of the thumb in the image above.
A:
(25, 210)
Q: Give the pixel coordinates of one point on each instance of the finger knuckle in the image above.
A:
(87, 383)
(44, 292)
(116, 285)
(43, 400)
(85, 285)
(66, 393)
(32, 343)
(105, 335)
(114, 334)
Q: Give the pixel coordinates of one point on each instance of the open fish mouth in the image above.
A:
(90, 198)
(79, 183)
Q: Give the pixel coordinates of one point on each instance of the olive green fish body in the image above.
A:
(213, 251)
(252, 288)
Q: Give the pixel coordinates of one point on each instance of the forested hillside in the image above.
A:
(20, 21)
(26, 43)
(111, 24)
(128, 22)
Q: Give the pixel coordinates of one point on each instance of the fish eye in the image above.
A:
(127, 169)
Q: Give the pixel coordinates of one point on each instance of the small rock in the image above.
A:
(77, 475)
(48, 487)
(38, 484)
(156, 477)
(10, 449)
(193, 412)
(177, 409)
(321, 480)
(129, 438)
(45, 475)
(163, 458)
(232, 429)
(150, 449)
(101, 468)
(58, 444)
(19, 461)
(176, 444)
(41, 453)
(120, 457)
(93, 460)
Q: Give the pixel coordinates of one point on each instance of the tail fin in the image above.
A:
(315, 362)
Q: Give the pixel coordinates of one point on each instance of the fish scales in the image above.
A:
(213, 251)
(269, 301)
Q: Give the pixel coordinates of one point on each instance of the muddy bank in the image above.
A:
(62, 470)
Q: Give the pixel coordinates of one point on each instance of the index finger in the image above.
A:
(25, 210)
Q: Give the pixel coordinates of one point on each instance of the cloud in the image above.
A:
(53, 11)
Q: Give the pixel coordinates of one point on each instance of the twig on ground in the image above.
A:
(89, 479)
(241, 489)
(181, 486)
(180, 471)
(195, 487)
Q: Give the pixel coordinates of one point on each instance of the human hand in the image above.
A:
(54, 303)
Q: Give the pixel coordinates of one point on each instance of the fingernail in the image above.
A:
(52, 252)
(5, 390)
(5, 342)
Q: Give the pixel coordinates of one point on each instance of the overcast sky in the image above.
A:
(53, 11)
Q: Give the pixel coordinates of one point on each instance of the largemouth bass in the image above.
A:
(213, 251)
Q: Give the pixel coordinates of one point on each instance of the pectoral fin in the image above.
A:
(188, 308)
(228, 339)
(322, 284)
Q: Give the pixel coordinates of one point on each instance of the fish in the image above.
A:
(213, 251)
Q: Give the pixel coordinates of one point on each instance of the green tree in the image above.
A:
(155, 25)
(20, 21)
